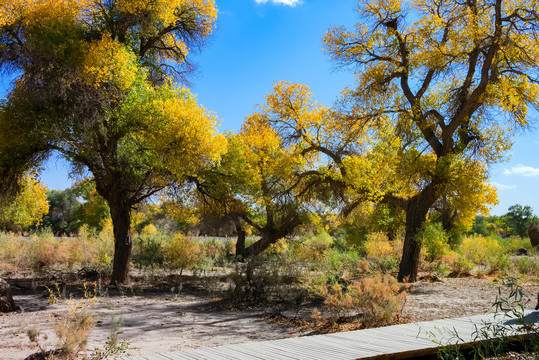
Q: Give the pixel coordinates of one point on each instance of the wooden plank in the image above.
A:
(304, 355)
(394, 342)
(257, 351)
(274, 351)
(338, 348)
(318, 349)
(383, 343)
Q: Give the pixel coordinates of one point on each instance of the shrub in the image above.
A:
(182, 253)
(435, 241)
(72, 330)
(484, 251)
(528, 265)
(376, 297)
(377, 246)
(315, 245)
(512, 244)
(347, 283)
(149, 248)
(48, 253)
(99, 248)
(263, 278)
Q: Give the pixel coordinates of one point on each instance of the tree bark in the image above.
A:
(417, 209)
(120, 212)
(240, 244)
(262, 244)
(6, 297)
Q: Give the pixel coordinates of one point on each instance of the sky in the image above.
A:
(259, 42)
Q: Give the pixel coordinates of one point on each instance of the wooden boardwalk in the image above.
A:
(392, 342)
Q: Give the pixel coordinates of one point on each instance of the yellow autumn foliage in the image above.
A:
(27, 208)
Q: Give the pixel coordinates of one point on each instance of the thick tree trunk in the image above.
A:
(120, 212)
(240, 244)
(262, 244)
(416, 214)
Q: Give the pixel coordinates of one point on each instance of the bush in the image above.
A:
(149, 248)
(377, 246)
(484, 251)
(98, 248)
(310, 248)
(512, 244)
(435, 241)
(376, 297)
(182, 253)
(42, 252)
(528, 265)
(263, 278)
(216, 252)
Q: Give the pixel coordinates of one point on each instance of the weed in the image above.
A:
(493, 339)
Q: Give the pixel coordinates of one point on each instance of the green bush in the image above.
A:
(149, 249)
(511, 244)
(484, 252)
(263, 278)
(528, 265)
(435, 241)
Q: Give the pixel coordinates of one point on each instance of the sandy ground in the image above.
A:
(160, 321)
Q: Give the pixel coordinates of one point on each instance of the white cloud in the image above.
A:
(504, 187)
(522, 170)
(280, 2)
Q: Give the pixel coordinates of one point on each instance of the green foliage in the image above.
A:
(484, 252)
(528, 266)
(149, 248)
(65, 215)
(519, 218)
(352, 236)
(94, 209)
(435, 241)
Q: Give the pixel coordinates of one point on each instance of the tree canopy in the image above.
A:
(96, 85)
(440, 86)
(258, 183)
(27, 208)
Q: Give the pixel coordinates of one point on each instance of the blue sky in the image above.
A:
(258, 42)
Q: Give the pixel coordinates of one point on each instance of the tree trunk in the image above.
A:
(6, 297)
(240, 244)
(416, 214)
(262, 244)
(120, 212)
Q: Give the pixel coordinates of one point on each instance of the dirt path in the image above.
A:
(155, 322)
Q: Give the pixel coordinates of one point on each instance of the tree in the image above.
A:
(96, 86)
(27, 208)
(448, 78)
(94, 209)
(64, 216)
(467, 193)
(258, 184)
(519, 218)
